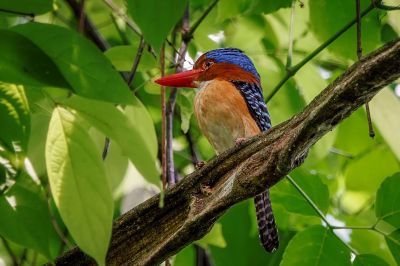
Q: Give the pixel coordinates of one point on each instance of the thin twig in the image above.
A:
(90, 29)
(136, 62)
(359, 56)
(163, 123)
(190, 32)
(81, 27)
(293, 70)
(9, 251)
(170, 108)
(120, 12)
(291, 30)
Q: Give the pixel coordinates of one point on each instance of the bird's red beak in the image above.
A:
(182, 79)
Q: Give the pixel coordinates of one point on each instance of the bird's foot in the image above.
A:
(239, 141)
(199, 165)
(205, 190)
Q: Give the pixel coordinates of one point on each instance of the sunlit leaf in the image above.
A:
(27, 7)
(214, 237)
(162, 14)
(384, 109)
(328, 17)
(387, 205)
(133, 131)
(79, 184)
(85, 68)
(316, 246)
(122, 57)
(25, 220)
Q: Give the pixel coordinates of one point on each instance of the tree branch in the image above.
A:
(148, 235)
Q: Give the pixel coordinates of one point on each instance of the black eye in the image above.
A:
(207, 64)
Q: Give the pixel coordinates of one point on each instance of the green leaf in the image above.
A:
(270, 6)
(156, 18)
(79, 184)
(285, 193)
(123, 56)
(22, 62)
(393, 242)
(85, 68)
(27, 6)
(14, 116)
(25, 220)
(369, 260)
(316, 246)
(135, 134)
(185, 101)
(384, 109)
(328, 17)
(387, 206)
(214, 237)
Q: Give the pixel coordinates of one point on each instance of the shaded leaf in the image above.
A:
(369, 260)
(163, 16)
(85, 68)
(135, 134)
(393, 242)
(27, 6)
(316, 246)
(285, 193)
(387, 205)
(123, 56)
(25, 220)
(22, 62)
(79, 184)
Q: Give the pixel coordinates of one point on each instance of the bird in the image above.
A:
(229, 107)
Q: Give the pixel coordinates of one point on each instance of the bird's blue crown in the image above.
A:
(233, 56)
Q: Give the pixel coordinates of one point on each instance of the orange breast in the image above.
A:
(223, 115)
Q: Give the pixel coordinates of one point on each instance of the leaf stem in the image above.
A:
(137, 61)
(291, 30)
(293, 70)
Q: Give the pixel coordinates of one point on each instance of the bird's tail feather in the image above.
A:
(266, 222)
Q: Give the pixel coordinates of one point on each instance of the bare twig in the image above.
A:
(163, 123)
(81, 27)
(121, 13)
(147, 235)
(170, 108)
(189, 33)
(136, 62)
(293, 70)
(291, 31)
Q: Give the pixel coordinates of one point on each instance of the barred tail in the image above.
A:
(266, 222)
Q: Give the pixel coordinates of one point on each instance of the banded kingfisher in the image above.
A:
(229, 106)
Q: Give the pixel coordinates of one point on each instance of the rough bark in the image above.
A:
(147, 235)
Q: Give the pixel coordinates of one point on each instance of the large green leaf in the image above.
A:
(385, 108)
(14, 117)
(123, 56)
(78, 183)
(27, 6)
(316, 246)
(135, 135)
(393, 242)
(85, 68)
(22, 62)
(156, 18)
(328, 17)
(25, 220)
(369, 260)
(285, 193)
(387, 205)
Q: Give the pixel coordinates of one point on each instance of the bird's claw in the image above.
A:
(205, 190)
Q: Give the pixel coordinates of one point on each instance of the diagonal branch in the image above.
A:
(147, 235)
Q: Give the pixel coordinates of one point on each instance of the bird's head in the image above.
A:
(225, 64)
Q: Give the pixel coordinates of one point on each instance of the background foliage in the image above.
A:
(61, 94)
